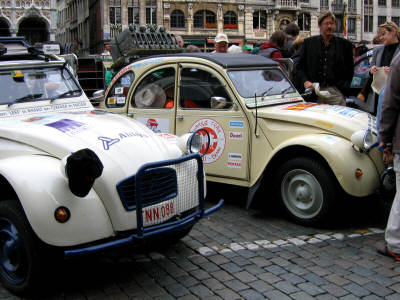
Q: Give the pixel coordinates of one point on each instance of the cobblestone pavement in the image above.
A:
(239, 254)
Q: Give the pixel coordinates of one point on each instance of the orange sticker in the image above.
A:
(301, 106)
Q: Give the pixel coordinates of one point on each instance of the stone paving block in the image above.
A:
(357, 279)
(305, 254)
(296, 269)
(366, 263)
(253, 269)
(385, 271)
(335, 290)
(362, 271)
(218, 259)
(356, 290)
(280, 261)
(301, 296)
(276, 295)
(349, 297)
(187, 280)
(372, 297)
(393, 297)
(188, 297)
(163, 297)
(227, 294)
(326, 297)
(377, 289)
(213, 284)
(198, 259)
(244, 276)
(177, 290)
(155, 290)
(338, 270)
(310, 288)
(302, 262)
(382, 280)
(286, 287)
(315, 279)
(236, 285)
(268, 277)
(200, 274)
(346, 264)
(231, 267)
(323, 262)
(292, 278)
(395, 287)
(142, 296)
(319, 270)
(247, 253)
(209, 267)
(261, 286)
(222, 275)
(201, 291)
(260, 261)
(251, 294)
(336, 279)
(240, 261)
(276, 270)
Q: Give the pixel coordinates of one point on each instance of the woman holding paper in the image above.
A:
(383, 55)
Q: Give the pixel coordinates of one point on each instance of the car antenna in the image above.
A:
(255, 101)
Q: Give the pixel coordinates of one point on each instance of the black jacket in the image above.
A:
(340, 62)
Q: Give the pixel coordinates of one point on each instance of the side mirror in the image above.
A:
(307, 92)
(218, 102)
(98, 96)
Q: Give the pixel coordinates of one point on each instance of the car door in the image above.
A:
(206, 101)
(151, 100)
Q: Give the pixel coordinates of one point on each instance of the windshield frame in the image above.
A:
(260, 100)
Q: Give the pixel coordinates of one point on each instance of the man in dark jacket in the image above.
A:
(328, 60)
(390, 144)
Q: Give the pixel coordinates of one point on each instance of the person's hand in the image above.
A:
(308, 85)
(387, 154)
(373, 69)
(387, 70)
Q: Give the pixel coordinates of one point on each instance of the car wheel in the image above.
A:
(19, 263)
(306, 189)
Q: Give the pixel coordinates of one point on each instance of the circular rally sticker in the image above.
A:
(217, 139)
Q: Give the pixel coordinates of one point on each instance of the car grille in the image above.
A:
(157, 185)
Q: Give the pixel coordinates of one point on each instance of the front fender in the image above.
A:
(41, 188)
(343, 161)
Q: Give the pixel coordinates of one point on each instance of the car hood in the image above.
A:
(339, 120)
(119, 142)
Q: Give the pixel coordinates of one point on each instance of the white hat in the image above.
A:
(152, 95)
(235, 49)
(221, 37)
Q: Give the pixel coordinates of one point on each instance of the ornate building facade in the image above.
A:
(89, 25)
(34, 19)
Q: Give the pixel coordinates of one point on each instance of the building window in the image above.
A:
(339, 24)
(395, 3)
(115, 11)
(352, 4)
(368, 2)
(382, 3)
(151, 12)
(177, 19)
(351, 25)
(304, 22)
(204, 19)
(381, 20)
(368, 23)
(324, 5)
(133, 11)
(260, 19)
(230, 20)
(396, 20)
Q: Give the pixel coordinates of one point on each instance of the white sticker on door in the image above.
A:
(156, 124)
(235, 156)
(235, 135)
(217, 139)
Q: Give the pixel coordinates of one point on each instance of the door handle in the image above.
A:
(179, 117)
(130, 115)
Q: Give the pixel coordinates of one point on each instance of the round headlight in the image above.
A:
(368, 139)
(198, 142)
(363, 139)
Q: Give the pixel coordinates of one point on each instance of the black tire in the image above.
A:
(19, 252)
(306, 189)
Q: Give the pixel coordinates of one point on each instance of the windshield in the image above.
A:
(25, 85)
(269, 84)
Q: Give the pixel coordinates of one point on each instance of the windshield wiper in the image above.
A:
(266, 92)
(25, 98)
(64, 94)
(286, 91)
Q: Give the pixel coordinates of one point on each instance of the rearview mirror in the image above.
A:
(218, 102)
(97, 97)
